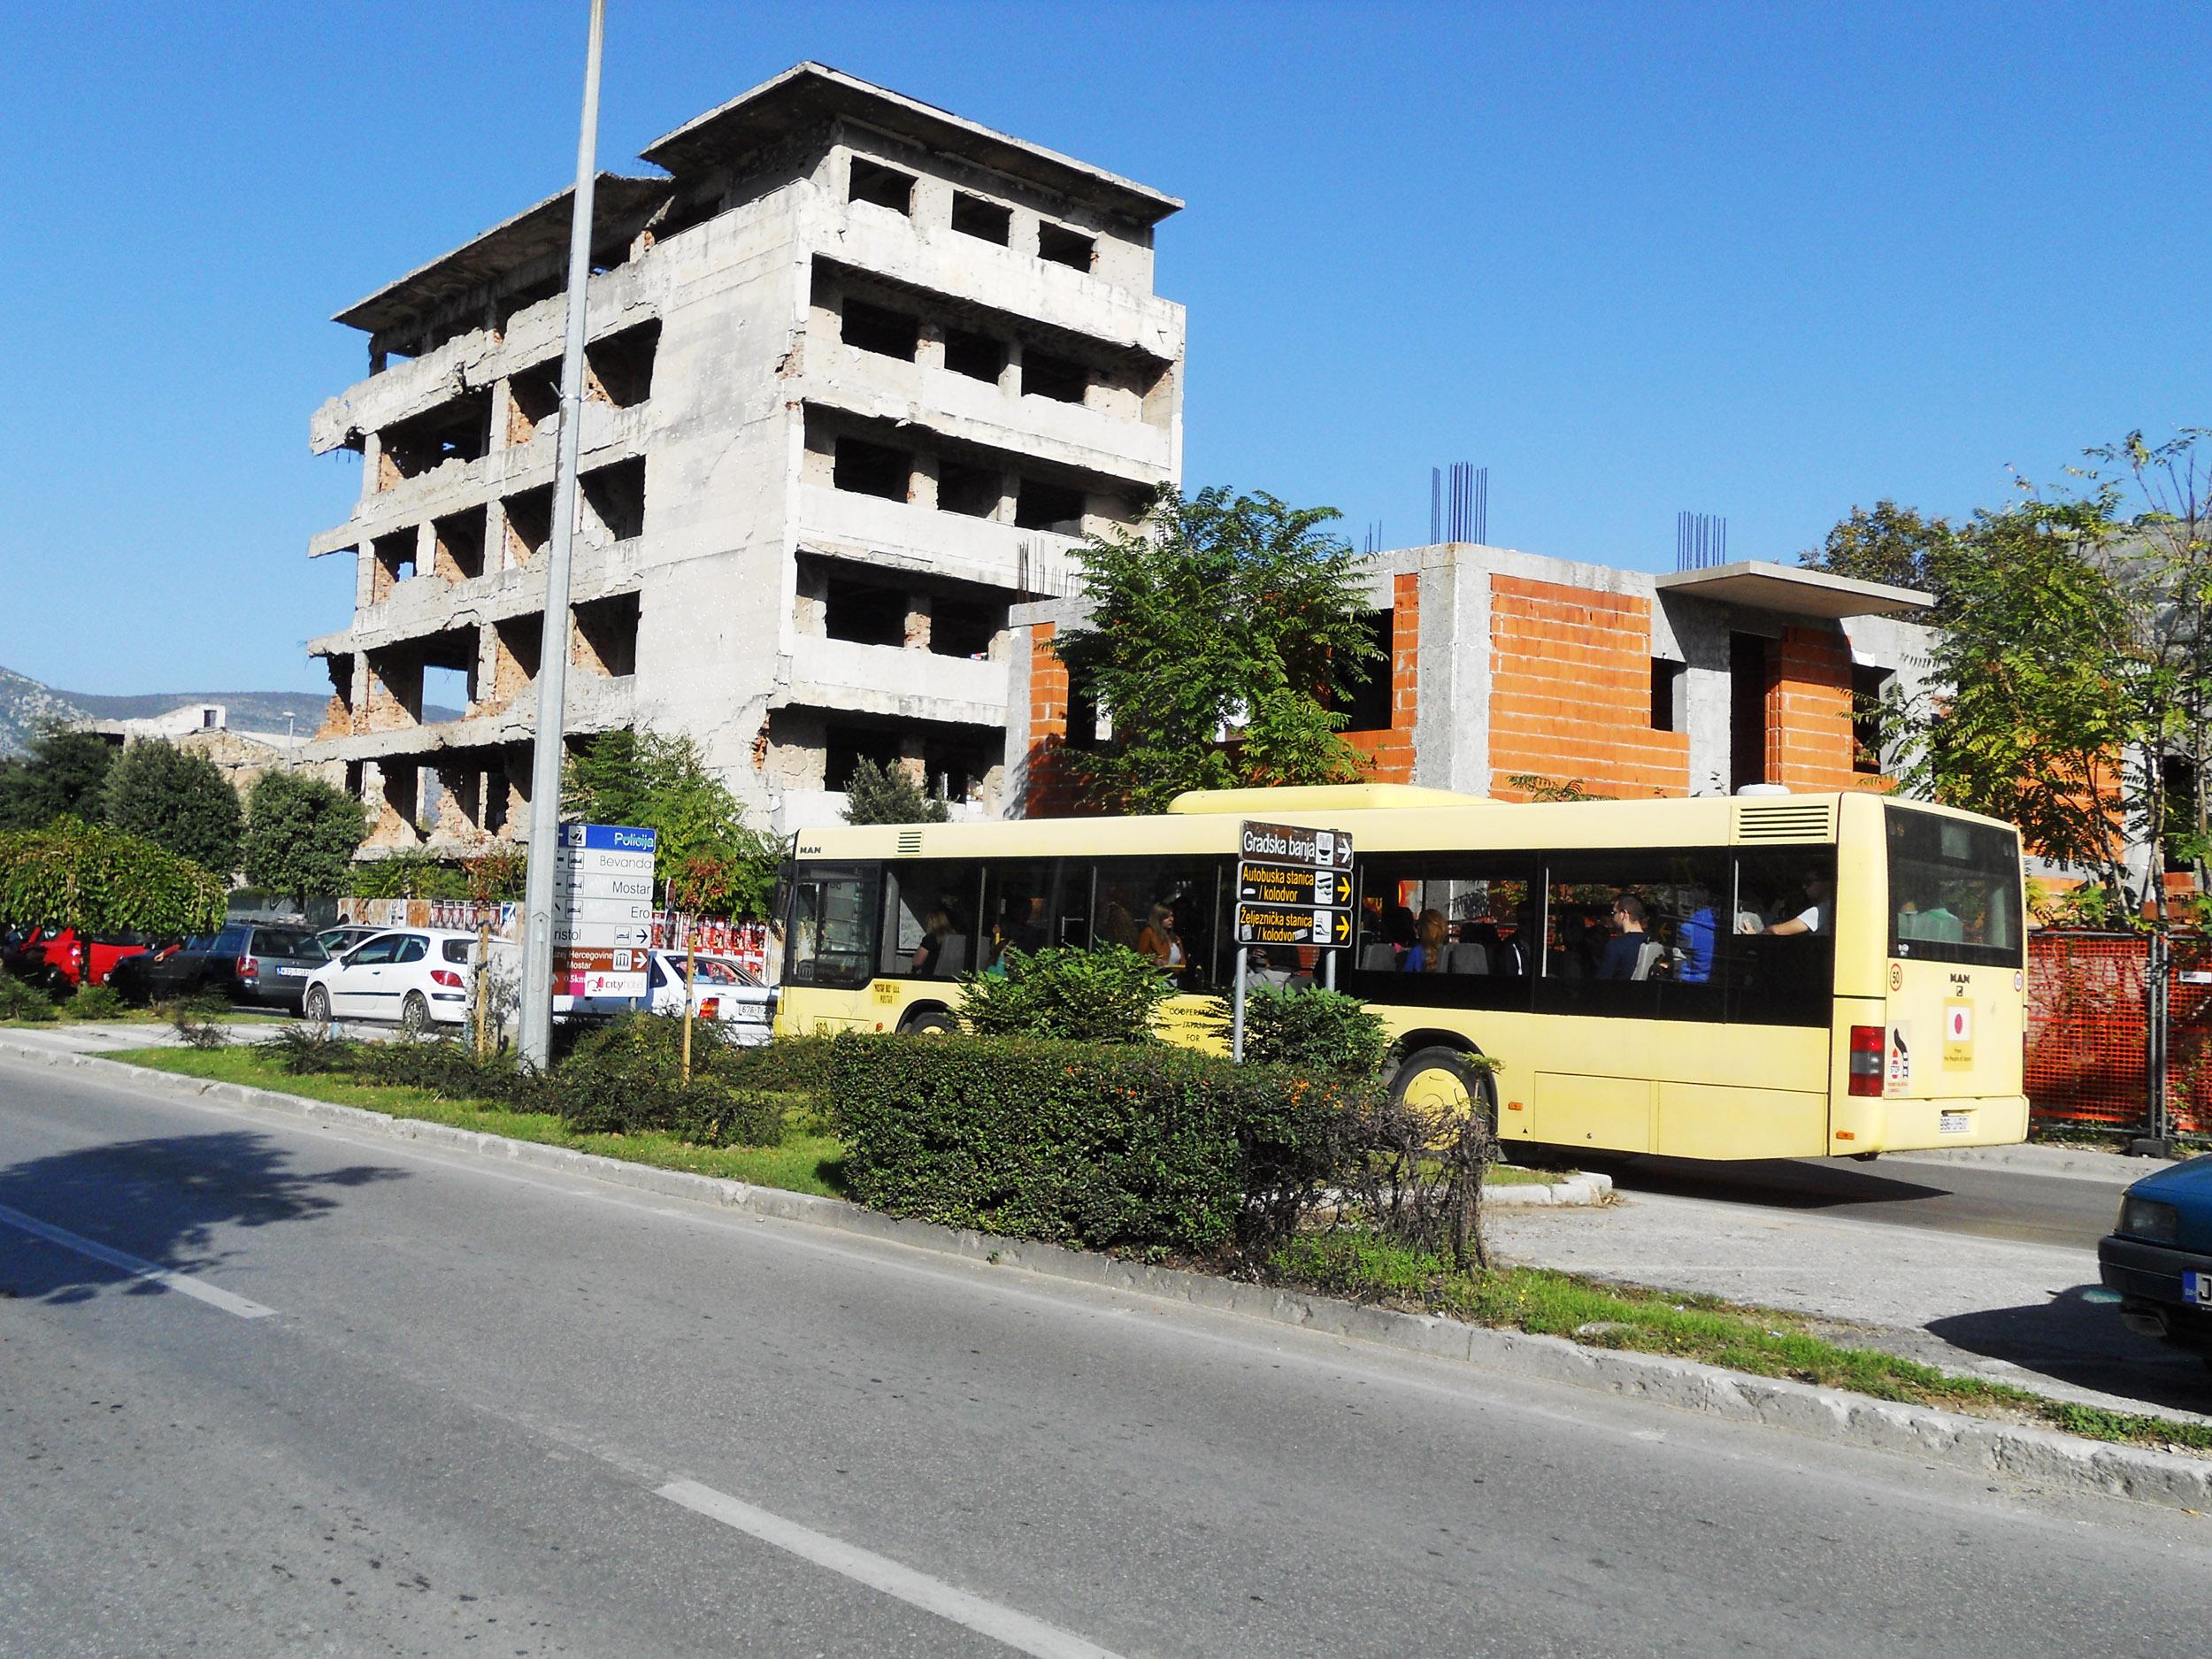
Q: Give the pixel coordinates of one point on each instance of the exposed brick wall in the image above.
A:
(1571, 692)
(1048, 790)
(1808, 712)
(1389, 749)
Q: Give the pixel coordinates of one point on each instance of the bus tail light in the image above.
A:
(1868, 1043)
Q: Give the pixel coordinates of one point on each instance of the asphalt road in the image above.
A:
(1986, 1202)
(405, 1402)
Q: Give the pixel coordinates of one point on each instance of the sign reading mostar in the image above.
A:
(603, 909)
(1294, 887)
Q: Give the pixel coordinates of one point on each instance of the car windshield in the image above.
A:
(288, 942)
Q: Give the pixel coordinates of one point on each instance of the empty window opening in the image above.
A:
(1367, 707)
(1668, 680)
(845, 747)
(884, 187)
(403, 788)
(398, 673)
(533, 397)
(606, 635)
(395, 554)
(1869, 686)
(457, 430)
(1044, 375)
(864, 613)
(986, 221)
(447, 681)
(1063, 246)
(495, 817)
(879, 329)
(1048, 507)
(1750, 667)
(872, 469)
(529, 523)
(622, 365)
(460, 543)
(978, 357)
(1088, 729)
(340, 670)
(614, 501)
(971, 490)
(516, 640)
(963, 627)
(354, 773)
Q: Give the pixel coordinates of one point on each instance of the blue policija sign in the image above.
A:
(609, 838)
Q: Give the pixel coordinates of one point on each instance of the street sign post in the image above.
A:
(603, 909)
(1293, 887)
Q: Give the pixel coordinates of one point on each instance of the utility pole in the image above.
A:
(545, 760)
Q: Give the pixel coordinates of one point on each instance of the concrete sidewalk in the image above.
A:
(2006, 1311)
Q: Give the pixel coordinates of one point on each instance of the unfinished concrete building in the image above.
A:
(859, 373)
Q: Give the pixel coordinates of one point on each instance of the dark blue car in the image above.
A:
(2159, 1257)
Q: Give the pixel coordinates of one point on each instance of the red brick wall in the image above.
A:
(1048, 790)
(1389, 749)
(1809, 713)
(1571, 692)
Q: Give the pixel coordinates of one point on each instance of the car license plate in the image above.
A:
(293, 973)
(2197, 1287)
(1955, 1123)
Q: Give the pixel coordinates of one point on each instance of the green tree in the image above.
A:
(888, 795)
(301, 836)
(63, 776)
(1224, 632)
(1892, 544)
(661, 783)
(177, 800)
(73, 875)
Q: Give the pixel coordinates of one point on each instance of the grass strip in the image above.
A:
(1761, 1341)
(809, 1161)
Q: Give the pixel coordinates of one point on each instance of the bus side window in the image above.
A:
(1635, 934)
(929, 924)
(1030, 904)
(1779, 962)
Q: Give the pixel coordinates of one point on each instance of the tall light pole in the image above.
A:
(545, 759)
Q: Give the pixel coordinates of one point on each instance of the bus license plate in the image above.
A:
(1955, 1123)
(2197, 1287)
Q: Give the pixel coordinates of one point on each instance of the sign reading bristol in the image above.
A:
(603, 909)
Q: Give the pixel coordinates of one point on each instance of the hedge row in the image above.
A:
(1129, 1145)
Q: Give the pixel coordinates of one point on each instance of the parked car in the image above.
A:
(246, 962)
(722, 991)
(65, 957)
(339, 940)
(2159, 1256)
(417, 976)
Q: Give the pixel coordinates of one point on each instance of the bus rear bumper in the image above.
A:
(1921, 1125)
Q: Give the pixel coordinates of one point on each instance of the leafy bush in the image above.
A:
(1127, 1144)
(1309, 1030)
(797, 1065)
(97, 1001)
(407, 875)
(628, 1076)
(20, 1000)
(1067, 993)
(100, 881)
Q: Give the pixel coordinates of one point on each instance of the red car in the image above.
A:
(74, 960)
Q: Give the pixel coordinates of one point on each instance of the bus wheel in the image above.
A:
(1439, 1080)
(934, 1021)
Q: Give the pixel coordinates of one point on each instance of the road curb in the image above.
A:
(1980, 1445)
(1575, 1192)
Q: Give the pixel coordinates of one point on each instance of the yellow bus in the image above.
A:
(1744, 977)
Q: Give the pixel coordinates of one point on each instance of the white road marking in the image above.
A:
(1002, 1625)
(184, 1284)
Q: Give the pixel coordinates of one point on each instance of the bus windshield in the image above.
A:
(1954, 890)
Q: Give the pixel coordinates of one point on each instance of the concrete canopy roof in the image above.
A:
(1758, 585)
(621, 206)
(809, 93)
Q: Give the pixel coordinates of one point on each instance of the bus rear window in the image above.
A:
(1954, 890)
(833, 926)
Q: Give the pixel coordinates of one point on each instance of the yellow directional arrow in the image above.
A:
(1344, 889)
(1341, 932)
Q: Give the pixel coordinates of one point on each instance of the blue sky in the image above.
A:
(1763, 261)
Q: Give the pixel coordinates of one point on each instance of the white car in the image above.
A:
(419, 977)
(722, 991)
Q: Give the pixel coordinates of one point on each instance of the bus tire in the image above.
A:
(1437, 1076)
(930, 1022)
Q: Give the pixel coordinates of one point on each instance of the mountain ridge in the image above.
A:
(27, 706)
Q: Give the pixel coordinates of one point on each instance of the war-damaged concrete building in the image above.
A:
(859, 373)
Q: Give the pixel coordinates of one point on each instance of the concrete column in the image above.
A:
(929, 352)
(1021, 234)
(921, 483)
(918, 614)
(1010, 378)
